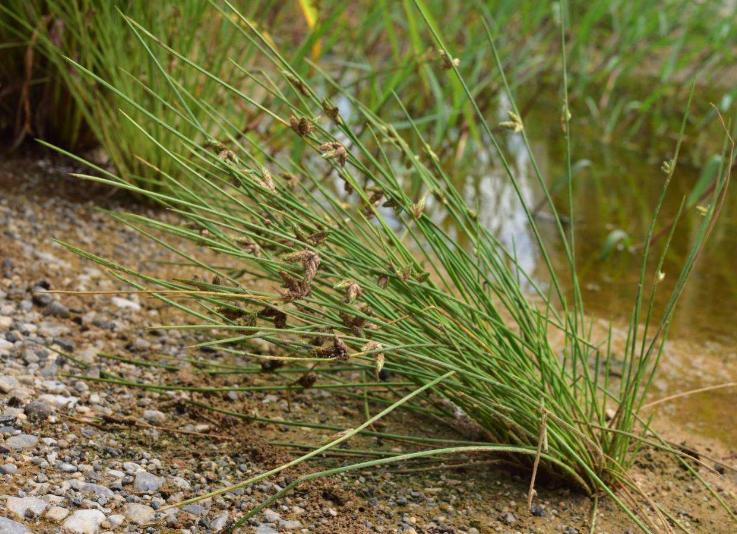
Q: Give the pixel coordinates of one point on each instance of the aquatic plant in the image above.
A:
(609, 42)
(330, 260)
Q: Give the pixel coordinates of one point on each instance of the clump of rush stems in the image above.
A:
(368, 276)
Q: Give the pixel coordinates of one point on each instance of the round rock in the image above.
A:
(22, 441)
(8, 526)
(84, 521)
(146, 482)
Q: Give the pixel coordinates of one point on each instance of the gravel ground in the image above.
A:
(84, 457)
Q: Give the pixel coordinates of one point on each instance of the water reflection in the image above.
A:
(617, 190)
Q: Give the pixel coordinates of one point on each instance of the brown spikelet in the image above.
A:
(351, 288)
(301, 126)
(227, 156)
(298, 85)
(382, 281)
(331, 111)
(317, 238)
(267, 180)
(291, 180)
(373, 346)
(338, 350)
(234, 313)
(336, 151)
(249, 246)
(269, 366)
(447, 62)
(278, 316)
(357, 323)
(299, 289)
(310, 261)
(308, 380)
(374, 199)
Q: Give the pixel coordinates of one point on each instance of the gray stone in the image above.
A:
(20, 506)
(57, 514)
(294, 525)
(60, 402)
(66, 467)
(8, 469)
(8, 383)
(97, 489)
(271, 516)
(146, 482)
(139, 513)
(131, 467)
(8, 526)
(84, 521)
(125, 304)
(37, 410)
(154, 417)
(266, 529)
(194, 509)
(181, 483)
(219, 522)
(22, 441)
(116, 520)
(52, 330)
(57, 309)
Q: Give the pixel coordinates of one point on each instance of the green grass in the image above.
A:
(73, 111)
(630, 64)
(333, 255)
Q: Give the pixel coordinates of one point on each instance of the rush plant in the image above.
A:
(333, 258)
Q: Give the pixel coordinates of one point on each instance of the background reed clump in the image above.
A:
(628, 64)
(47, 98)
(334, 248)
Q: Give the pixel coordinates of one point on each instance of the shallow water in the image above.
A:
(614, 188)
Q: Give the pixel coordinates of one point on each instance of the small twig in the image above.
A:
(687, 393)
(540, 443)
(444, 466)
(130, 423)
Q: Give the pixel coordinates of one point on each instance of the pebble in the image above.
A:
(219, 522)
(57, 514)
(116, 520)
(60, 402)
(265, 529)
(97, 489)
(8, 526)
(125, 304)
(22, 441)
(84, 521)
(194, 509)
(20, 506)
(8, 469)
(37, 410)
(537, 510)
(154, 417)
(8, 383)
(271, 516)
(138, 513)
(146, 482)
(57, 309)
